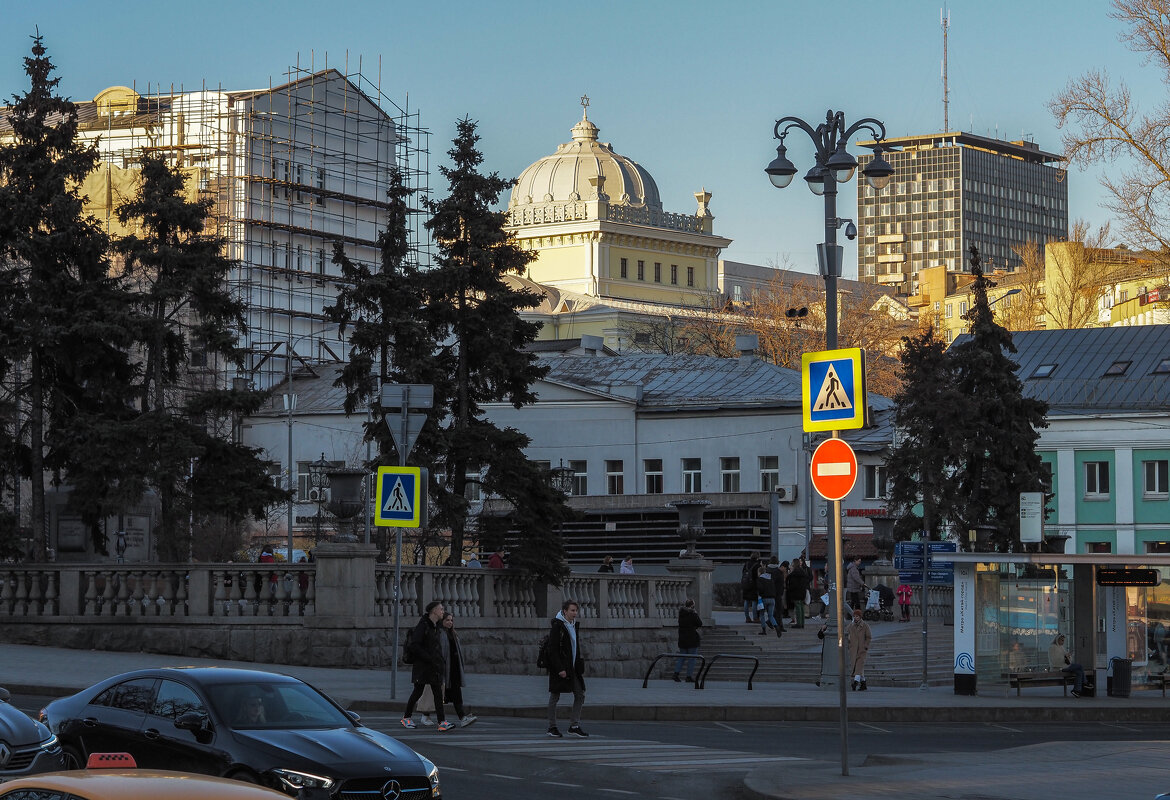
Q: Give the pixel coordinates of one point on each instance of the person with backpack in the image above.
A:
(689, 623)
(747, 585)
(424, 652)
(565, 662)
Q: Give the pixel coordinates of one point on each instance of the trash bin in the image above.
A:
(1122, 680)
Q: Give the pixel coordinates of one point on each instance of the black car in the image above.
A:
(26, 746)
(236, 723)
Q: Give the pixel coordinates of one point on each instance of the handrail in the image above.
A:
(660, 656)
(701, 681)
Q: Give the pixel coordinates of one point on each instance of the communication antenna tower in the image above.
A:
(945, 18)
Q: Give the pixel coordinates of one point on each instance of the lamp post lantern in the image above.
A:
(833, 164)
(318, 481)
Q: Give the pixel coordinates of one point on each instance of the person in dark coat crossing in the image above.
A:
(566, 668)
(427, 670)
(689, 623)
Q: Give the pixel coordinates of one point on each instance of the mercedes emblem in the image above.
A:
(391, 791)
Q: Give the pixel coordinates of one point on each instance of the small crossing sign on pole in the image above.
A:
(833, 385)
(398, 497)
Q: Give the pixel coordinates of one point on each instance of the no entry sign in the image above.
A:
(833, 469)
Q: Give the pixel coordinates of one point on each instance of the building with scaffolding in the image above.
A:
(293, 169)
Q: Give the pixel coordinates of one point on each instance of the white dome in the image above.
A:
(565, 175)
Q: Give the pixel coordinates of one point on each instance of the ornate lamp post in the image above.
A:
(833, 165)
(318, 483)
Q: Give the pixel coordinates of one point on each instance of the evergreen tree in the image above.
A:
(177, 275)
(473, 315)
(62, 315)
(999, 427)
(921, 465)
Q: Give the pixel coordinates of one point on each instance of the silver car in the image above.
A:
(26, 746)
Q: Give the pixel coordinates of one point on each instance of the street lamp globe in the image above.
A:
(878, 172)
(816, 178)
(780, 170)
(841, 164)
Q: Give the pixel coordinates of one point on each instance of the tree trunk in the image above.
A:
(36, 435)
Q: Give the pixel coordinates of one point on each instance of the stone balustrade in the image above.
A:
(338, 611)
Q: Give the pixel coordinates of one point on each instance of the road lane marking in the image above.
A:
(1004, 727)
(503, 777)
(617, 791)
(725, 725)
(873, 727)
(566, 785)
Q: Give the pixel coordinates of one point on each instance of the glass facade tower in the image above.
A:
(951, 190)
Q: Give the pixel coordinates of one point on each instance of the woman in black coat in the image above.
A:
(427, 665)
(689, 623)
(566, 668)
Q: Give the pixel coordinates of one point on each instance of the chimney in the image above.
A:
(746, 344)
(592, 344)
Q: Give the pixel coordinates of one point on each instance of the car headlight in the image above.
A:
(49, 744)
(294, 780)
(432, 775)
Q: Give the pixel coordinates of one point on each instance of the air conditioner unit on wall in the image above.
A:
(786, 493)
(316, 495)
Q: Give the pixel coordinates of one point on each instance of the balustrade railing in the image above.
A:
(231, 592)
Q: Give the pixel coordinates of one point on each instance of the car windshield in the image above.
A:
(274, 705)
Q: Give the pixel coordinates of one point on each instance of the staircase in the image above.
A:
(895, 655)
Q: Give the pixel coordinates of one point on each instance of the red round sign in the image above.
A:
(833, 469)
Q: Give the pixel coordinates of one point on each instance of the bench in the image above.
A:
(1162, 678)
(1017, 680)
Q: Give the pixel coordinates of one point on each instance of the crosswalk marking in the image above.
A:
(631, 753)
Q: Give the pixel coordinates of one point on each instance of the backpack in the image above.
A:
(407, 654)
(542, 655)
(747, 578)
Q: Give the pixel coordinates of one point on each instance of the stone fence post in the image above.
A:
(701, 589)
(345, 582)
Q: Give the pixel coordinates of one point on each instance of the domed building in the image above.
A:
(595, 219)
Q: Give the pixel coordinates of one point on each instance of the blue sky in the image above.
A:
(688, 89)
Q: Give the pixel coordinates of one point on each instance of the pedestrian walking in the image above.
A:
(905, 592)
(689, 623)
(627, 567)
(747, 585)
(566, 668)
(427, 666)
(859, 638)
(779, 573)
(767, 591)
(798, 582)
(453, 672)
(606, 564)
(854, 585)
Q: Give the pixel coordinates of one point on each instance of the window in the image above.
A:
(473, 485)
(320, 260)
(1117, 368)
(962, 308)
(1044, 371)
(657, 272)
(1158, 547)
(1163, 367)
(652, 467)
(950, 309)
(690, 276)
(641, 270)
(625, 268)
(692, 475)
(1098, 547)
(580, 486)
(1154, 484)
(674, 274)
(615, 477)
(128, 696)
(769, 473)
(729, 474)
(321, 185)
(1096, 479)
(875, 481)
(174, 699)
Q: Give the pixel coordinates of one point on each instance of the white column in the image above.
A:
(1066, 492)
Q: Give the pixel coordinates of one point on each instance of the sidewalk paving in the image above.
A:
(1067, 770)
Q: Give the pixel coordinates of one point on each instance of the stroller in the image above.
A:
(879, 605)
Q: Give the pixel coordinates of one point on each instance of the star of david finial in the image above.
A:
(584, 106)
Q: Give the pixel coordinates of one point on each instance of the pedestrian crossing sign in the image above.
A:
(398, 500)
(833, 387)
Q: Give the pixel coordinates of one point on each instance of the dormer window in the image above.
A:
(1117, 368)
(1044, 371)
(1163, 367)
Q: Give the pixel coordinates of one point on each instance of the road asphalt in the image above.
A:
(1047, 771)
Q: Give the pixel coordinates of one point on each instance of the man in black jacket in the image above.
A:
(428, 665)
(689, 623)
(566, 668)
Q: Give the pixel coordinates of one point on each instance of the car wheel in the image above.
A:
(244, 776)
(72, 758)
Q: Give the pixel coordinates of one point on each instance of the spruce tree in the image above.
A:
(473, 315)
(177, 275)
(999, 427)
(922, 463)
(62, 314)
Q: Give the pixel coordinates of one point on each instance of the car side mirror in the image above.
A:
(356, 717)
(195, 722)
(4, 695)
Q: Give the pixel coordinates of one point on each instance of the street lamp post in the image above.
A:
(833, 165)
(318, 481)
